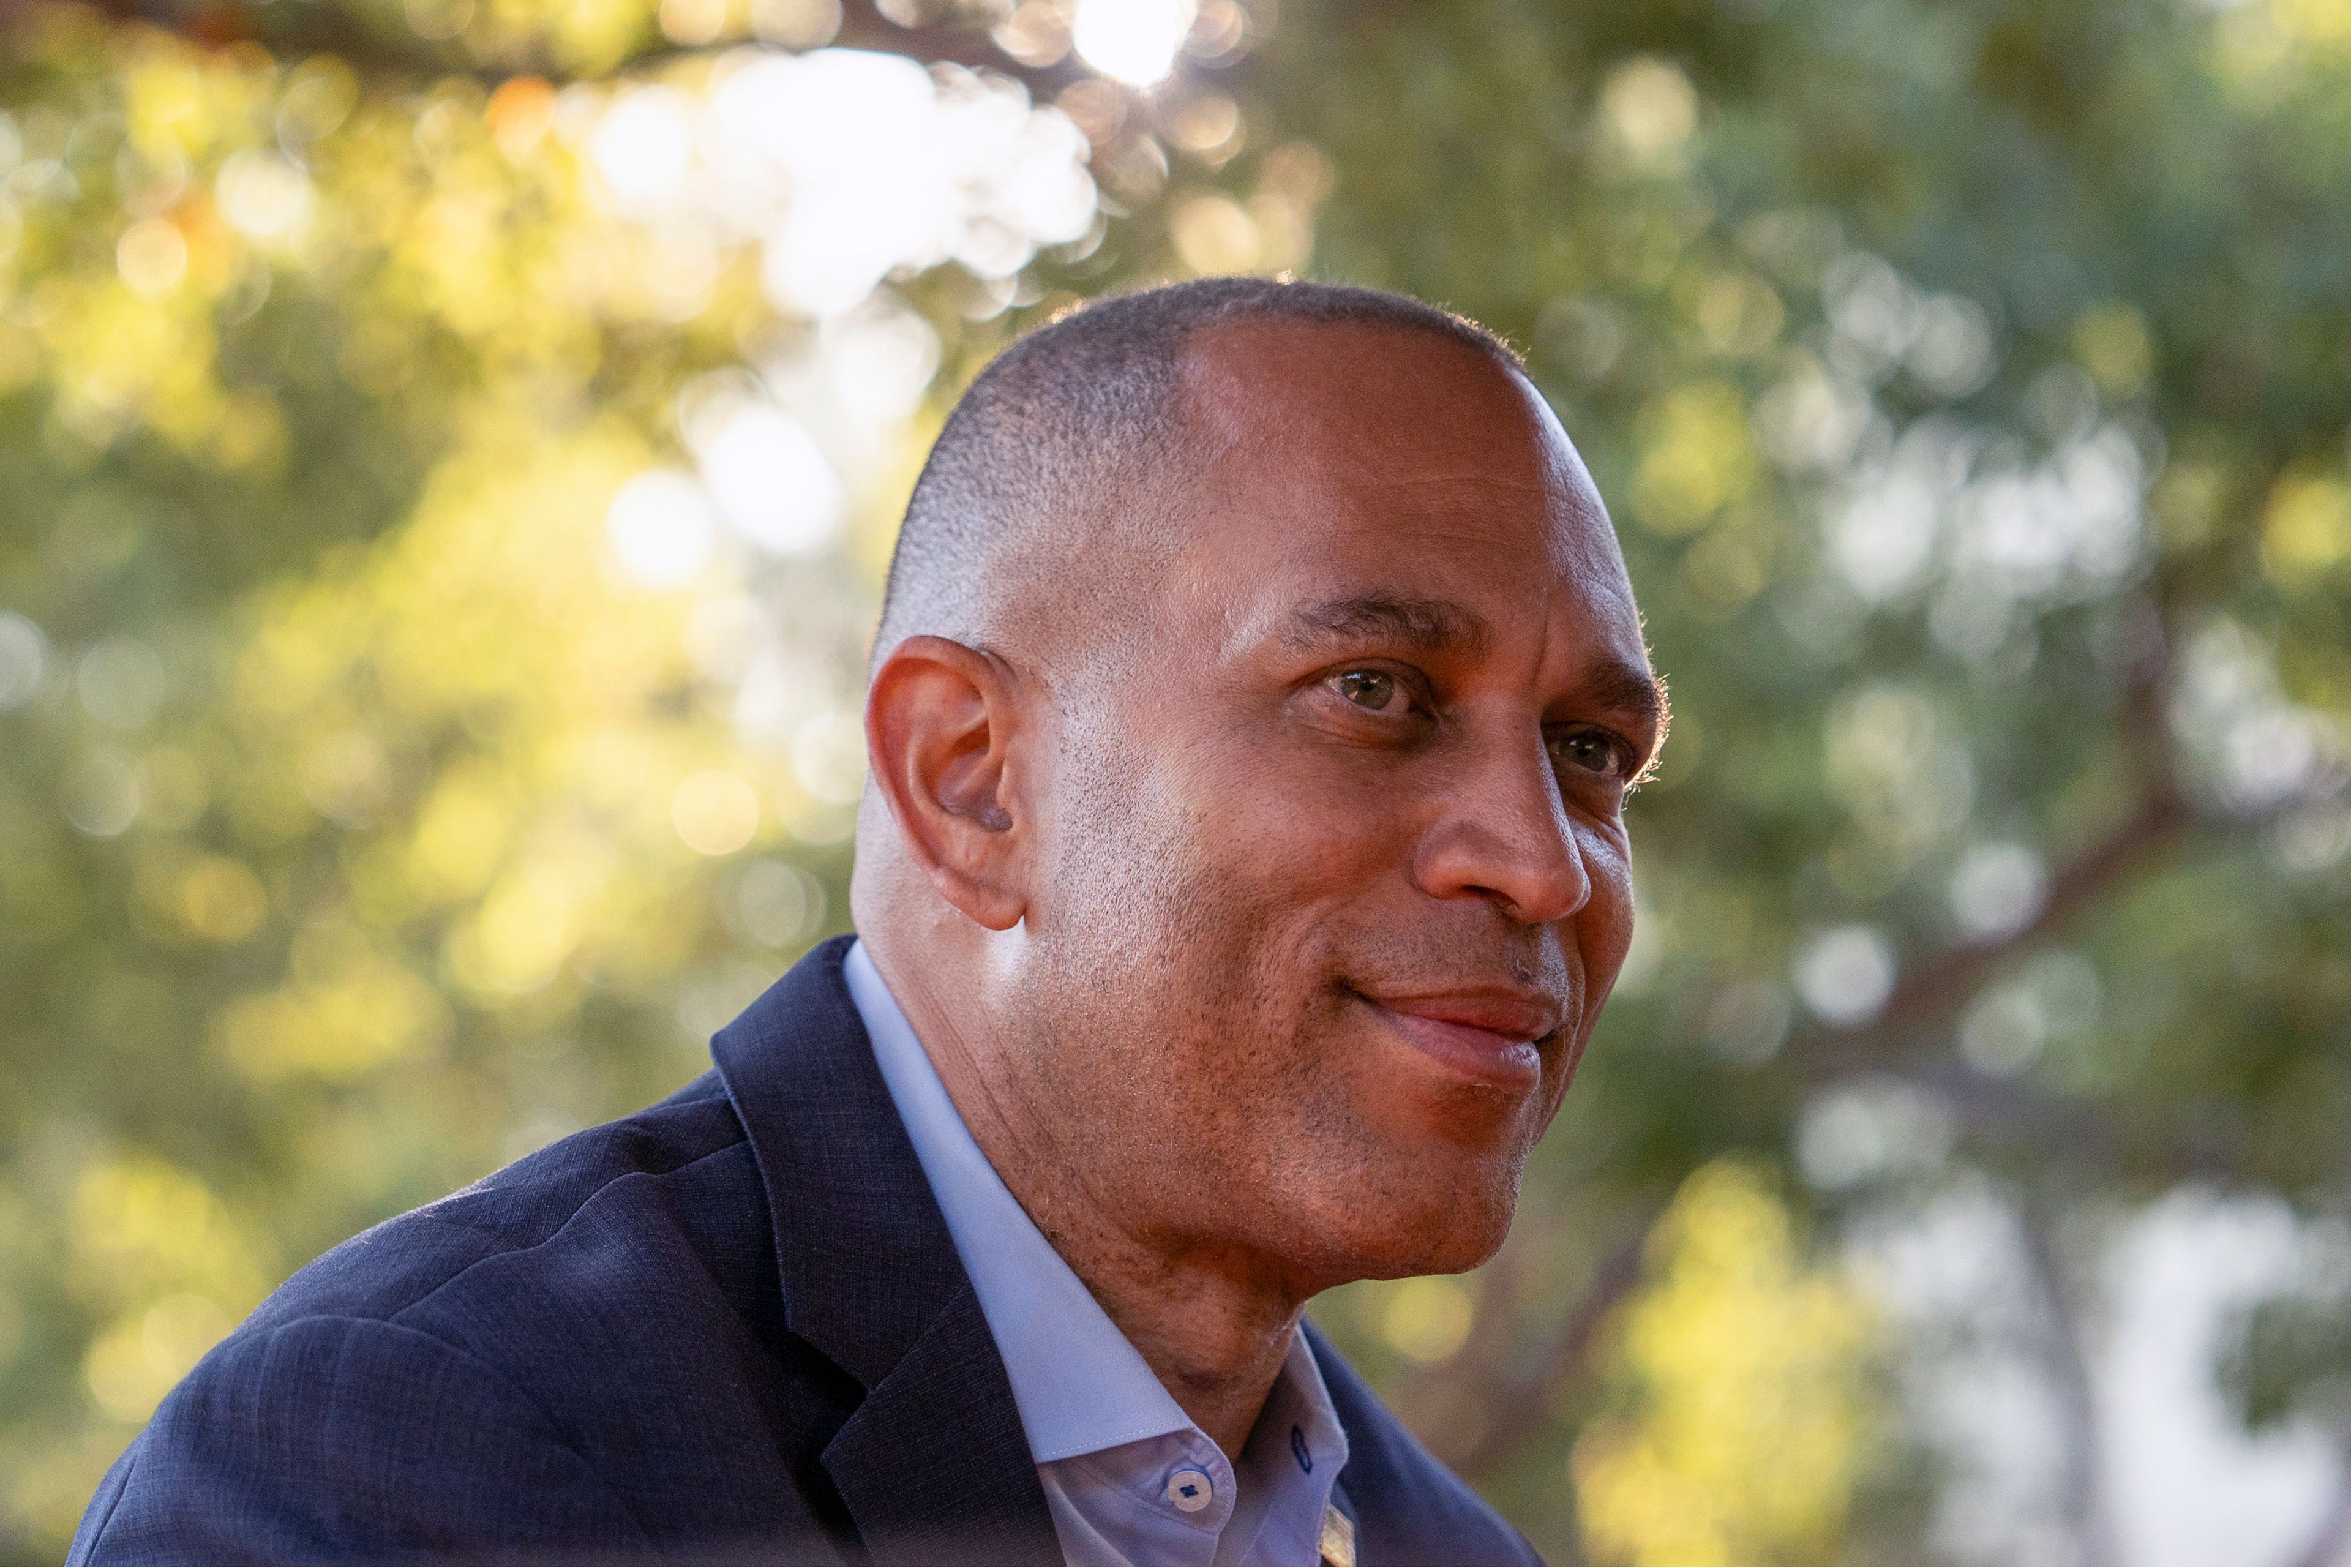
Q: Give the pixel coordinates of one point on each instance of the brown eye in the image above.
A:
(1373, 689)
(1590, 750)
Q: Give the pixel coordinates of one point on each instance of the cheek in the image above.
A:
(1309, 814)
(1242, 832)
(1603, 930)
(1183, 887)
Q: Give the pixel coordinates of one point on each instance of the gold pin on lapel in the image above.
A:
(1338, 1539)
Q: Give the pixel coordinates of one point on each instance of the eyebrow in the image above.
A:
(1630, 690)
(1426, 625)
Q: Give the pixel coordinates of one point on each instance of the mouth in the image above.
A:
(1490, 1038)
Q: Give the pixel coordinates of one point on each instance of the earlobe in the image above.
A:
(940, 724)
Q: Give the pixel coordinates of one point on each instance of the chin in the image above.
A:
(1381, 1227)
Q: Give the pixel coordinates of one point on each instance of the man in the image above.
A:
(1242, 870)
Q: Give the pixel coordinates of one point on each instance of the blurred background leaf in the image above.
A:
(448, 452)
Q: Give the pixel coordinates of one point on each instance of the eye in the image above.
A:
(1592, 751)
(1374, 690)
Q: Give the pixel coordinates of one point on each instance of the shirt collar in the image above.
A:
(1079, 1384)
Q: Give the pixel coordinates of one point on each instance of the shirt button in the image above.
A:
(1191, 1490)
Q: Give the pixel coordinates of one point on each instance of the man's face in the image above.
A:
(1334, 872)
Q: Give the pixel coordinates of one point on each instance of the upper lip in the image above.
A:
(1499, 1010)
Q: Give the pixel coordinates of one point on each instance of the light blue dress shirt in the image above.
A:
(1130, 1479)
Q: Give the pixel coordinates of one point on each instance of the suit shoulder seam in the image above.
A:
(517, 1250)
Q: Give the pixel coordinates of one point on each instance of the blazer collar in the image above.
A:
(933, 1465)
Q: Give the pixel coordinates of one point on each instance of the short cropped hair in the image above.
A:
(1074, 418)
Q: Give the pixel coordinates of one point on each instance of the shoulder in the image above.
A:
(501, 1368)
(321, 1436)
(610, 1194)
(1409, 1508)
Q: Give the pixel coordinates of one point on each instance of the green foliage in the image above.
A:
(2290, 1358)
(1739, 1416)
(1969, 380)
(2001, 831)
(371, 814)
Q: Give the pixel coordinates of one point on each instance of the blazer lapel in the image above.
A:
(933, 1466)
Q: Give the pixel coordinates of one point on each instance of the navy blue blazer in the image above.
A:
(730, 1327)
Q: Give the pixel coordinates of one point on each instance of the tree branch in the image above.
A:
(2159, 818)
(388, 51)
(1932, 991)
(1925, 998)
(2080, 1133)
(2083, 1482)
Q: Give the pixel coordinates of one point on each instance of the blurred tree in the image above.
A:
(1969, 382)
(420, 721)
(442, 510)
(1740, 1428)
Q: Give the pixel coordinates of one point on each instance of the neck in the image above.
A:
(1204, 1320)
(1213, 1323)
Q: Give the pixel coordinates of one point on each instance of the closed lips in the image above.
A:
(1486, 1037)
(1514, 1016)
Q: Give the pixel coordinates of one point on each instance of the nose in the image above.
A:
(1506, 836)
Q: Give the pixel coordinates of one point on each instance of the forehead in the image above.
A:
(1340, 458)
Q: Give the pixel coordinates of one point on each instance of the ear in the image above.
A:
(940, 722)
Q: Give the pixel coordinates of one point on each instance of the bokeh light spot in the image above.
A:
(1847, 975)
(262, 196)
(1137, 41)
(776, 904)
(1997, 888)
(122, 683)
(663, 528)
(1868, 1130)
(828, 757)
(1651, 109)
(24, 660)
(693, 23)
(643, 148)
(131, 1366)
(520, 113)
(220, 900)
(102, 795)
(796, 24)
(1428, 1319)
(772, 482)
(151, 257)
(1213, 234)
(716, 812)
(2306, 528)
